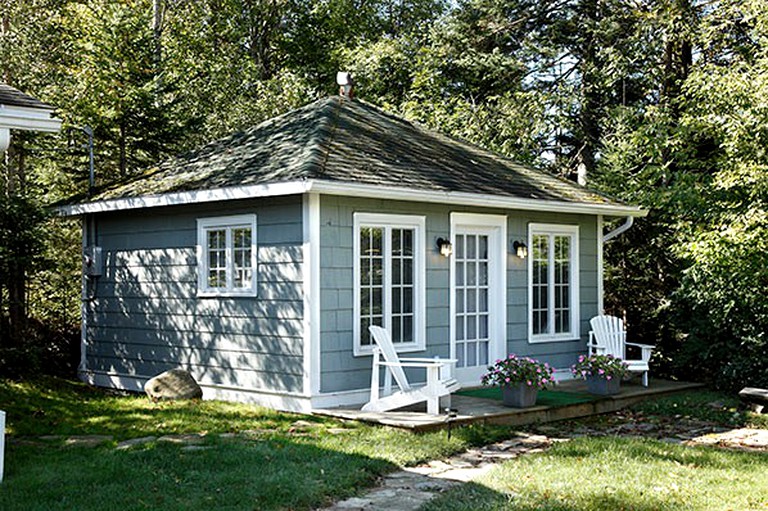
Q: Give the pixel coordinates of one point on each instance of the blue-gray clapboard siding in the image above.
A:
(341, 371)
(145, 317)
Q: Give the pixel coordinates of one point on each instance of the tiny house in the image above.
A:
(258, 261)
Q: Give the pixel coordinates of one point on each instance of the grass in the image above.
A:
(601, 474)
(608, 473)
(285, 461)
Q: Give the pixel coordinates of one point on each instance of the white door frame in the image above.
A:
(495, 226)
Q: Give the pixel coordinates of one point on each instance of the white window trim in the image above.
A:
(418, 223)
(575, 330)
(219, 222)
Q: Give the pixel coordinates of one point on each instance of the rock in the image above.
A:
(173, 384)
(88, 440)
(127, 444)
(188, 439)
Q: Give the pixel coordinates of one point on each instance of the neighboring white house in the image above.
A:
(19, 111)
(258, 261)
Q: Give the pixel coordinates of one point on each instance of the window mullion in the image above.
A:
(551, 285)
(387, 268)
(229, 258)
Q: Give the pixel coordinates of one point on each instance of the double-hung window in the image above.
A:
(389, 278)
(226, 254)
(553, 282)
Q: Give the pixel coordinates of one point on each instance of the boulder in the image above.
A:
(173, 384)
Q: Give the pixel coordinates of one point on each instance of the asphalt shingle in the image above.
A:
(349, 141)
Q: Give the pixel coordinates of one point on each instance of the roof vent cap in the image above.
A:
(346, 84)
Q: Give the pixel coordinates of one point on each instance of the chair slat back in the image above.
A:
(609, 333)
(381, 336)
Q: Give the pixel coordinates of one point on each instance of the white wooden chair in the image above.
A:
(440, 382)
(608, 337)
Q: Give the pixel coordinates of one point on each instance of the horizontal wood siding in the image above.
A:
(342, 371)
(144, 316)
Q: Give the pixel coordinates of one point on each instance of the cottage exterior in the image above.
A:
(258, 261)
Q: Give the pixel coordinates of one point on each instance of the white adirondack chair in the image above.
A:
(608, 337)
(440, 382)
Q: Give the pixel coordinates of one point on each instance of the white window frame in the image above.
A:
(388, 221)
(228, 223)
(555, 230)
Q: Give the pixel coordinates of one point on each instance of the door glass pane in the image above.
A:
(471, 247)
(482, 250)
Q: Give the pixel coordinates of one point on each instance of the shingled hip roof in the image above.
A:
(345, 146)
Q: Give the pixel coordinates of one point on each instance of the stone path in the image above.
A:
(409, 489)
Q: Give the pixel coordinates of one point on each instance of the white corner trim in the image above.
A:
(83, 365)
(349, 190)
(600, 266)
(311, 276)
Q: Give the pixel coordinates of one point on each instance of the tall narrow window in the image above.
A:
(389, 279)
(226, 249)
(553, 282)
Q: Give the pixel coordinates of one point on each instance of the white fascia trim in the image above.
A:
(471, 199)
(29, 119)
(311, 276)
(192, 197)
(349, 190)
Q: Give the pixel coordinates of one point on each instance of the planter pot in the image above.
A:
(519, 395)
(601, 386)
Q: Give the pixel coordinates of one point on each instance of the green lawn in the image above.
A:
(278, 464)
(607, 474)
(288, 461)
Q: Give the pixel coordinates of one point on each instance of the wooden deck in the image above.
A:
(489, 411)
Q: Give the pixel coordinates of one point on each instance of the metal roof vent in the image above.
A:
(346, 84)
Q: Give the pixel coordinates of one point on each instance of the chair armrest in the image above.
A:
(646, 349)
(643, 346)
(437, 360)
(403, 363)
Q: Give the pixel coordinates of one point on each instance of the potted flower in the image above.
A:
(602, 372)
(520, 379)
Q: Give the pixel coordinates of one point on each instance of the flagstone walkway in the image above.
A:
(410, 488)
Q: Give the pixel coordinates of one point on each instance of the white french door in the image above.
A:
(478, 293)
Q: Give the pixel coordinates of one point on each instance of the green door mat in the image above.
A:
(545, 397)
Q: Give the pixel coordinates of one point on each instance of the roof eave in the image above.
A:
(348, 189)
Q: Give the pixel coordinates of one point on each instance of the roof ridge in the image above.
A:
(319, 146)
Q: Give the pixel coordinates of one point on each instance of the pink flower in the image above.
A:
(507, 380)
(583, 372)
(529, 383)
(608, 377)
(601, 371)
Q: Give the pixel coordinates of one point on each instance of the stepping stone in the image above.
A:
(87, 440)
(189, 439)
(127, 444)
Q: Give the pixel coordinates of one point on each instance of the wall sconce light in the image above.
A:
(521, 249)
(445, 247)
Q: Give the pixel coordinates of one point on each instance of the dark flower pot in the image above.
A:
(519, 395)
(602, 386)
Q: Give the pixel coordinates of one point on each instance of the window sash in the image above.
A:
(553, 307)
(227, 255)
(389, 283)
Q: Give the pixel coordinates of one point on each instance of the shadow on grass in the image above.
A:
(224, 474)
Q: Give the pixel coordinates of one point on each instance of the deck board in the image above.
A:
(474, 410)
